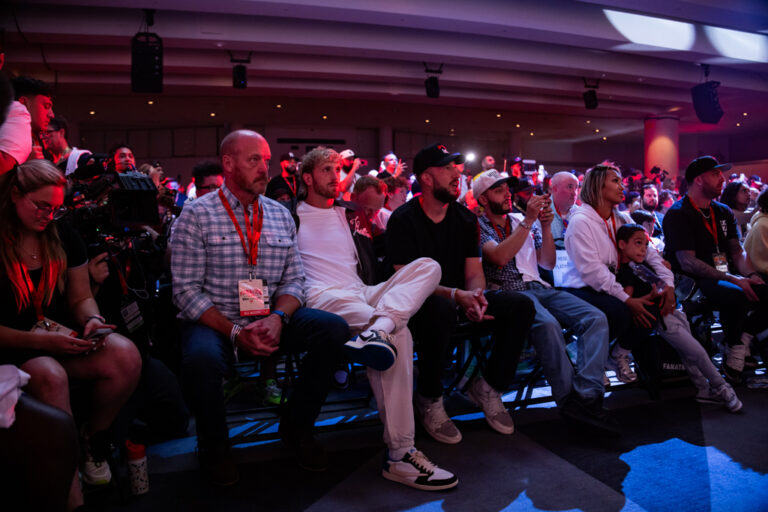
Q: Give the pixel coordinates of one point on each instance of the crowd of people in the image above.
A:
(335, 264)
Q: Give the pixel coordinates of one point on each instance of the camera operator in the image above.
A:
(121, 159)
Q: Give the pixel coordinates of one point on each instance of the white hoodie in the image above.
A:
(592, 253)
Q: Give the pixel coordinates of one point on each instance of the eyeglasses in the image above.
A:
(43, 210)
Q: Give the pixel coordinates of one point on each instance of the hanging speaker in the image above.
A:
(706, 102)
(590, 99)
(239, 77)
(432, 85)
(146, 63)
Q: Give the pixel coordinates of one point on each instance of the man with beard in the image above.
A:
(391, 166)
(435, 226)
(650, 202)
(287, 180)
(513, 246)
(563, 187)
(701, 242)
(523, 192)
(335, 244)
(349, 173)
(239, 285)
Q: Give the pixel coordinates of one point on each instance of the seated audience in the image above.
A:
(208, 177)
(435, 226)
(351, 170)
(564, 187)
(639, 280)
(736, 197)
(702, 242)
(666, 200)
(240, 290)
(16, 128)
(594, 261)
(35, 96)
(756, 244)
(369, 195)
(513, 247)
(333, 243)
(55, 333)
(397, 193)
(649, 202)
(287, 181)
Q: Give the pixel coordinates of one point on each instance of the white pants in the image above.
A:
(696, 360)
(398, 299)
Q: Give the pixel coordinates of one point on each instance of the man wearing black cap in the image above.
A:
(287, 180)
(513, 246)
(702, 243)
(434, 225)
(523, 191)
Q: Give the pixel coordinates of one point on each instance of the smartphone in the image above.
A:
(99, 334)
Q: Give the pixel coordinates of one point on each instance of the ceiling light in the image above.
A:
(588, 121)
(738, 124)
(597, 130)
(278, 106)
(498, 115)
(92, 112)
(531, 134)
(325, 117)
(426, 121)
(150, 102)
(471, 157)
(605, 138)
(213, 114)
(745, 114)
(517, 125)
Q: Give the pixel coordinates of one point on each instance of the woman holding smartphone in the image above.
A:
(50, 325)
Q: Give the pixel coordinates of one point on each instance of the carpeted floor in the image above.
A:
(674, 454)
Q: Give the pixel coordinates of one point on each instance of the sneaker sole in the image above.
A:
(439, 437)
(376, 355)
(450, 484)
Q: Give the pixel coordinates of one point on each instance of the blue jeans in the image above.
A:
(207, 359)
(556, 310)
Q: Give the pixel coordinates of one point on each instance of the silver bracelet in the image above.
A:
(453, 293)
(97, 317)
(524, 225)
(236, 328)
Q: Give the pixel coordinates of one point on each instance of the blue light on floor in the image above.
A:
(432, 506)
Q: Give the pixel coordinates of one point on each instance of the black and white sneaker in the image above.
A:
(371, 348)
(416, 470)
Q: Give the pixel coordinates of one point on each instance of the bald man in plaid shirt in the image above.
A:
(238, 283)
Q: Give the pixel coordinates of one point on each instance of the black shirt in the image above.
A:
(685, 229)
(279, 182)
(57, 310)
(626, 277)
(412, 235)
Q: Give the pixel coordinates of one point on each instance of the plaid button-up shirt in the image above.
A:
(208, 259)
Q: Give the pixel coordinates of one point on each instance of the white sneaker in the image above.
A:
(619, 361)
(416, 470)
(373, 349)
(431, 413)
(729, 398)
(489, 400)
(96, 473)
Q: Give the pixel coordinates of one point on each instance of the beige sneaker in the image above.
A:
(431, 413)
(489, 400)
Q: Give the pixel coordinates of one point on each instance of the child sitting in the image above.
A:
(638, 280)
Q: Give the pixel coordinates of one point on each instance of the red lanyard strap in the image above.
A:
(253, 229)
(35, 293)
(711, 228)
(507, 230)
(292, 187)
(612, 232)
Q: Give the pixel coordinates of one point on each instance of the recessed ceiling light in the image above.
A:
(517, 126)
(325, 117)
(605, 138)
(597, 130)
(92, 112)
(278, 106)
(426, 121)
(498, 115)
(453, 130)
(588, 121)
(738, 124)
(745, 114)
(531, 134)
(150, 102)
(675, 109)
(213, 114)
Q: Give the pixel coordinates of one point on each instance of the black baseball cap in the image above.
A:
(701, 165)
(435, 155)
(288, 156)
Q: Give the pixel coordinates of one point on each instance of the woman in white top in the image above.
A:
(593, 262)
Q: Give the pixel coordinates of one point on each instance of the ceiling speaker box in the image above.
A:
(432, 85)
(590, 99)
(146, 63)
(706, 103)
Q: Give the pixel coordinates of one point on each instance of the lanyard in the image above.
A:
(35, 294)
(292, 187)
(562, 217)
(120, 275)
(507, 230)
(253, 230)
(612, 232)
(711, 228)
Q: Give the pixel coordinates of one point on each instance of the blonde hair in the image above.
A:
(26, 178)
(594, 180)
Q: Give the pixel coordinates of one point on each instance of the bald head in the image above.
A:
(245, 159)
(564, 186)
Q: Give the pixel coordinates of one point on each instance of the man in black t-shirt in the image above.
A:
(434, 225)
(702, 243)
(286, 182)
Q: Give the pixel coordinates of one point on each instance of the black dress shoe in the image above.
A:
(217, 466)
(308, 452)
(589, 412)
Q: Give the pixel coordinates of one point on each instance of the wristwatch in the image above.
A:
(283, 316)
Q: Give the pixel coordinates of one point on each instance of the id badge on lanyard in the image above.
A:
(721, 262)
(253, 295)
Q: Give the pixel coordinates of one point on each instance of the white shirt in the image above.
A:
(326, 248)
(16, 133)
(526, 260)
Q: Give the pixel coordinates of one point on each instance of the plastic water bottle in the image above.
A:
(137, 467)
(647, 275)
